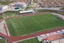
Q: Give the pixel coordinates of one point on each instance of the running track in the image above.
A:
(17, 38)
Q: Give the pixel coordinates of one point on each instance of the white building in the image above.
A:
(27, 11)
(3, 8)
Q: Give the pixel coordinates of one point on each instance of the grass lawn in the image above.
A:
(30, 41)
(9, 13)
(0, 16)
(2, 40)
(5, 3)
(29, 24)
(62, 12)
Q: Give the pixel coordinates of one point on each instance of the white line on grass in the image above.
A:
(7, 28)
(22, 24)
(50, 20)
(37, 22)
(13, 26)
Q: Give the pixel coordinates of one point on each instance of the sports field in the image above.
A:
(0, 16)
(62, 12)
(10, 13)
(29, 24)
(5, 3)
(30, 41)
(2, 41)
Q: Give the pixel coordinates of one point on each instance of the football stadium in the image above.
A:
(32, 21)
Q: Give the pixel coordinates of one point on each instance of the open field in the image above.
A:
(10, 13)
(2, 40)
(5, 3)
(30, 41)
(62, 12)
(29, 24)
(1, 17)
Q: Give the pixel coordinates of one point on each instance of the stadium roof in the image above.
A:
(18, 5)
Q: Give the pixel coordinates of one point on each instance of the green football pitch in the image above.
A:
(30, 24)
(30, 41)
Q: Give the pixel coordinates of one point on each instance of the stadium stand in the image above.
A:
(53, 37)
